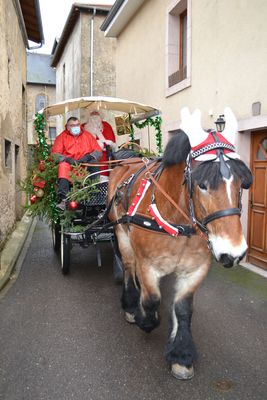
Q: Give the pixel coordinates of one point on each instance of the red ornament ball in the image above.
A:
(33, 199)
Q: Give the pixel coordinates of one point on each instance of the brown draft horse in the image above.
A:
(157, 235)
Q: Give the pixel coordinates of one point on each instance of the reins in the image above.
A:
(175, 205)
(112, 162)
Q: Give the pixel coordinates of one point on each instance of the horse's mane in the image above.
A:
(177, 150)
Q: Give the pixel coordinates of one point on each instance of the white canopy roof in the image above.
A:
(101, 103)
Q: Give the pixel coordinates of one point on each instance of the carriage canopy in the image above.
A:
(138, 111)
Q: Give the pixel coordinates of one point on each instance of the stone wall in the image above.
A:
(34, 90)
(13, 140)
(102, 80)
(73, 71)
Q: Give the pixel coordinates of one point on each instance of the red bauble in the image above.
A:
(41, 165)
(73, 205)
(33, 199)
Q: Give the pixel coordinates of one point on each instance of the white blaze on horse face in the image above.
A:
(224, 244)
(228, 183)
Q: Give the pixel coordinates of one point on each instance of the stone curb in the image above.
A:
(13, 247)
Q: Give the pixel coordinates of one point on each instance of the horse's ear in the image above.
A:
(231, 125)
(191, 125)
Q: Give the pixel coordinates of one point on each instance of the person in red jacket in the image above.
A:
(104, 135)
(73, 146)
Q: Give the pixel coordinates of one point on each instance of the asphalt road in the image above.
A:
(66, 337)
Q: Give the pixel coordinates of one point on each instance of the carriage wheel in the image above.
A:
(56, 237)
(65, 253)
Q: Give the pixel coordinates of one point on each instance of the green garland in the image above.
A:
(156, 123)
(41, 180)
(42, 146)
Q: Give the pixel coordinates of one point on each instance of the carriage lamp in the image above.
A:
(220, 123)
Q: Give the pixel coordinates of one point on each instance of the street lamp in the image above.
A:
(220, 123)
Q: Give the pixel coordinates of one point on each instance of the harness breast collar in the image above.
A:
(157, 223)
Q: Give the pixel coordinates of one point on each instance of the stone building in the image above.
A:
(41, 92)
(207, 55)
(20, 23)
(84, 59)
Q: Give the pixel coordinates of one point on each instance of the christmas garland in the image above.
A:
(40, 183)
(156, 123)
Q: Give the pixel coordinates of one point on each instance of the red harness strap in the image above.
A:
(153, 210)
(144, 185)
(162, 223)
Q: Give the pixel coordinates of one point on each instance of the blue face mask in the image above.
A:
(75, 130)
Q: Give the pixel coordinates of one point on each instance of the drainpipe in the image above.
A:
(92, 52)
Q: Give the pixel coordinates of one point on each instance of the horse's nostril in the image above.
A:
(226, 260)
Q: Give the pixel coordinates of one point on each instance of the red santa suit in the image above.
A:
(74, 147)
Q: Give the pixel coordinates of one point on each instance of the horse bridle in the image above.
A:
(219, 147)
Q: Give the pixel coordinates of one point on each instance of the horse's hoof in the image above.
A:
(129, 318)
(181, 372)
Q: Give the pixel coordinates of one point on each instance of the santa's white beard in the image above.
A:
(94, 126)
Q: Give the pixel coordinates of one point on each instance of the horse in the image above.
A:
(170, 216)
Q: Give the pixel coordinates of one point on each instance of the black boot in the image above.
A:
(63, 189)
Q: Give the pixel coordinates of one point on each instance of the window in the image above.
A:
(16, 153)
(17, 163)
(41, 101)
(8, 154)
(262, 150)
(178, 46)
(52, 133)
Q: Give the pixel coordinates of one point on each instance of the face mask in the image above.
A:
(75, 130)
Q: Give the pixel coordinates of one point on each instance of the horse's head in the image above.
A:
(215, 177)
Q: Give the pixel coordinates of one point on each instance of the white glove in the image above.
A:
(101, 137)
(111, 144)
(101, 144)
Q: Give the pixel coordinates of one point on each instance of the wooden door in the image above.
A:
(257, 253)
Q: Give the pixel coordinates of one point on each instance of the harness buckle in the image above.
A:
(145, 160)
(126, 182)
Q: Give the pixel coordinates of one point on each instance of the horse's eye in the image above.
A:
(202, 186)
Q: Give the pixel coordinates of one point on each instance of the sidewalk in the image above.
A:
(13, 248)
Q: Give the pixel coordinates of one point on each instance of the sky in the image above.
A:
(54, 15)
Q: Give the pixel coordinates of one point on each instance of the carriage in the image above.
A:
(85, 222)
